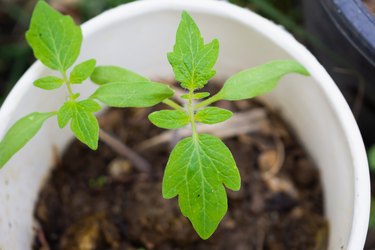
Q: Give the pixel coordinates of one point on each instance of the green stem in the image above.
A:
(173, 104)
(191, 109)
(68, 85)
(208, 101)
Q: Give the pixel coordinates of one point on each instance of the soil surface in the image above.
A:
(97, 200)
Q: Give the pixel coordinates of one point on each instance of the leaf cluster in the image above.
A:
(201, 165)
(56, 41)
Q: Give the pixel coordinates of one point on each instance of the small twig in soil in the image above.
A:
(240, 123)
(140, 163)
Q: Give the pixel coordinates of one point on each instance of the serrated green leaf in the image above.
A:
(371, 158)
(169, 119)
(84, 124)
(65, 113)
(196, 172)
(20, 133)
(132, 94)
(67, 110)
(196, 96)
(85, 127)
(49, 82)
(90, 105)
(259, 80)
(108, 74)
(55, 39)
(82, 71)
(212, 115)
(201, 95)
(192, 61)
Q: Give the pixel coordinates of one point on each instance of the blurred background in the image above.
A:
(340, 33)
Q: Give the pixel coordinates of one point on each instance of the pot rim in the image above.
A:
(279, 36)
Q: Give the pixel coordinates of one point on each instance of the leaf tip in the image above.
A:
(27, 36)
(205, 233)
(187, 19)
(167, 193)
(151, 116)
(184, 14)
(235, 182)
(41, 6)
(305, 71)
(170, 92)
(93, 146)
(237, 186)
(215, 42)
(205, 236)
(299, 68)
(40, 3)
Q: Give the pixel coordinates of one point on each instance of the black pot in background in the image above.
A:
(346, 31)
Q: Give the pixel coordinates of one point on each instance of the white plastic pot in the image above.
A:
(138, 36)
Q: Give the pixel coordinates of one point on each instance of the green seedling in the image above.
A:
(200, 166)
(56, 41)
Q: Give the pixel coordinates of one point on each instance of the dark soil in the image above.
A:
(97, 200)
